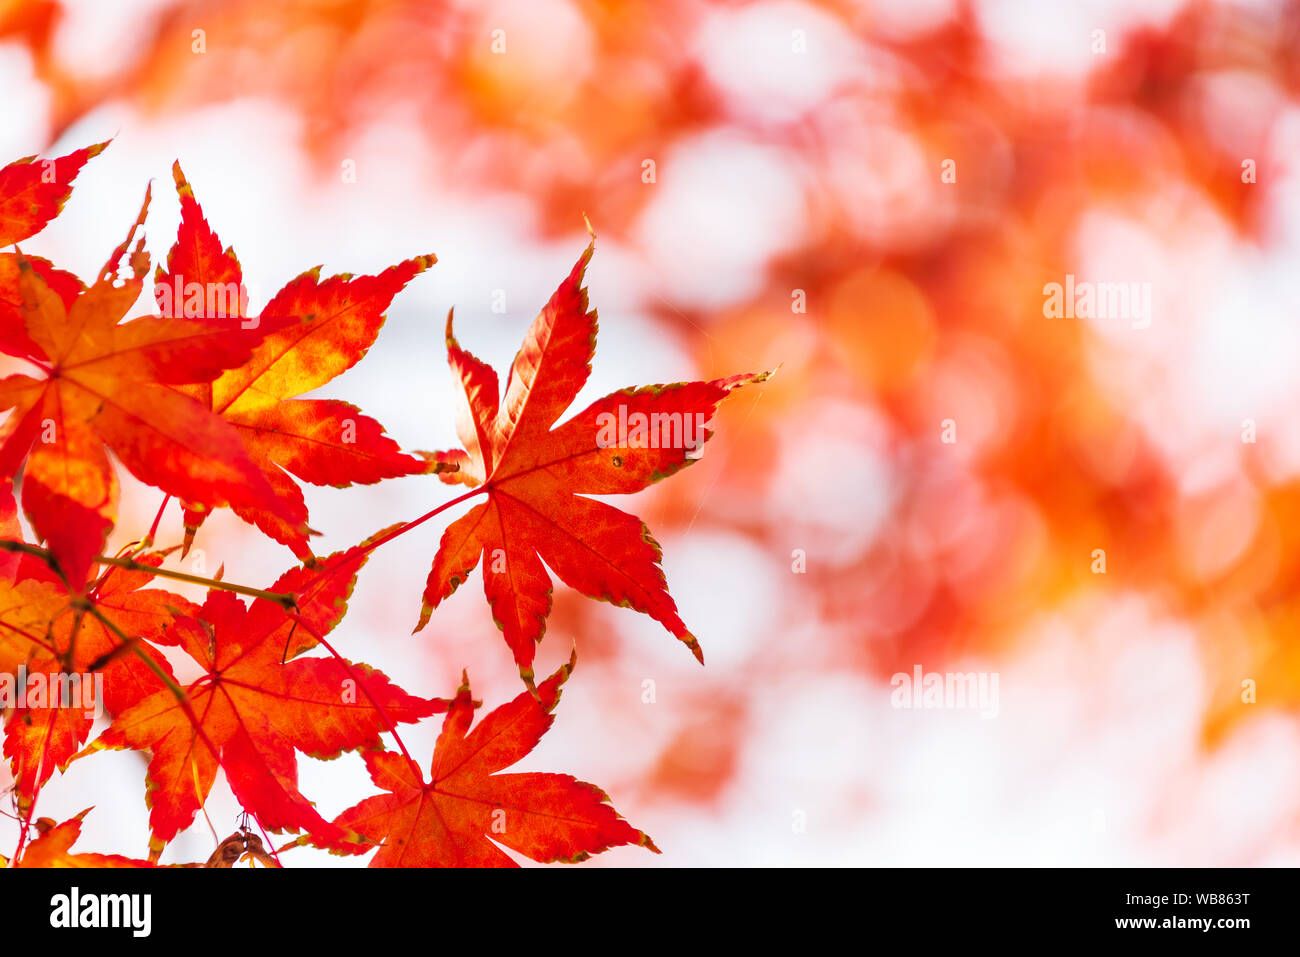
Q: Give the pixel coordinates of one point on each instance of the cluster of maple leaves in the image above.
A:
(204, 404)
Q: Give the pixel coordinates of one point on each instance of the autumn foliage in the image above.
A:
(201, 400)
(873, 196)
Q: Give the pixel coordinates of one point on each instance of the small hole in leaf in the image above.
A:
(618, 462)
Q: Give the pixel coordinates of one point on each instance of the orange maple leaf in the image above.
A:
(324, 328)
(105, 385)
(42, 630)
(53, 848)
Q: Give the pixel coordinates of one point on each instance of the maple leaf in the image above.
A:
(53, 848)
(14, 339)
(105, 385)
(112, 675)
(325, 327)
(42, 630)
(28, 606)
(448, 820)
(30, 601)
(32, 193)
(16, 566)
(532, 474)
(258, 702)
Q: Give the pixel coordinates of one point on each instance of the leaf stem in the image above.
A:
(287, 602)
(361, 683)
(369, 547)
(153, 529)
(414, 523)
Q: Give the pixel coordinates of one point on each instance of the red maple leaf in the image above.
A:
(42, 630)
(258, 703)
(103, 385)
(32, 193)
(43, 737)
(453, 819)
(324, 328)
(532, 475)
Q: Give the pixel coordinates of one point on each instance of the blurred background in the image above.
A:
(874, 195)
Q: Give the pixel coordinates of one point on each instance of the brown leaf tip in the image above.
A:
(451, 336)
(183, 188)
(690, 641)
